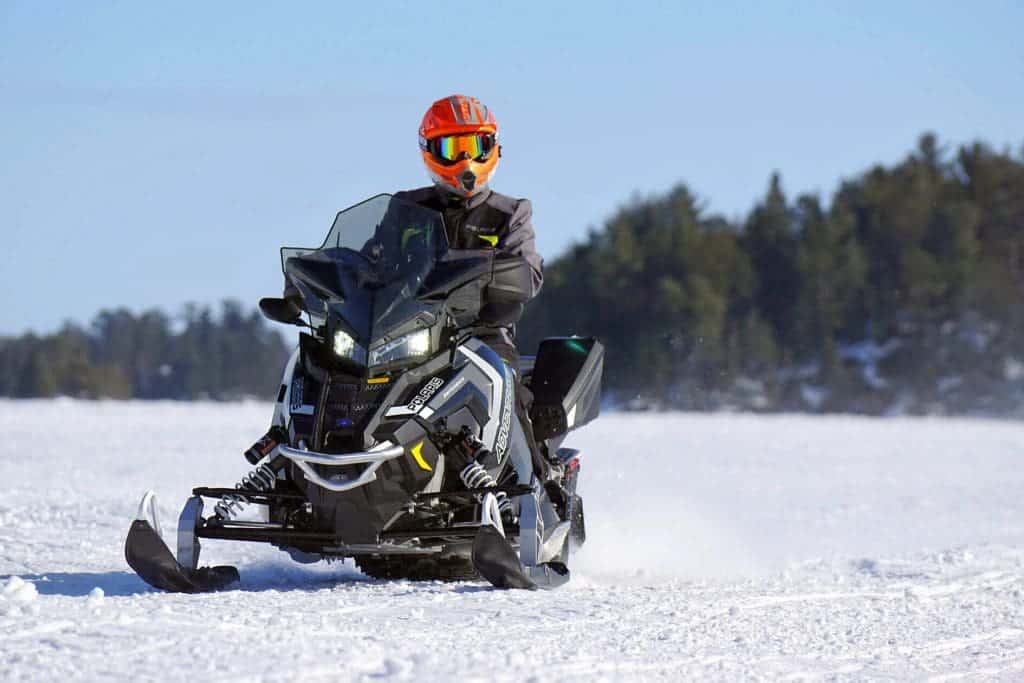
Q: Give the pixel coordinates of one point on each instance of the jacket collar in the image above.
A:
(450, 200)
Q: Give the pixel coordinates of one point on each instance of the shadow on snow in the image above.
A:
(79, 584)
(255, 579)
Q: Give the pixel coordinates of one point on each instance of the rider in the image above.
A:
(459, 145)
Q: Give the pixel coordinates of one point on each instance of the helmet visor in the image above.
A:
(451, 148)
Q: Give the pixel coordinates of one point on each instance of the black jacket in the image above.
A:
(488, 220)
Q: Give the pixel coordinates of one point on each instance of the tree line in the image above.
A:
(903, 292)
(228, 354)
(905, 289)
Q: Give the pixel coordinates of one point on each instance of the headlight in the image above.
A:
(411, 345)
(344, 344)
(346, 347)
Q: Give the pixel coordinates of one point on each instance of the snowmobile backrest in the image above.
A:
(566, 385)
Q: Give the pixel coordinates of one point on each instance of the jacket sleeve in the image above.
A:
(517, 241)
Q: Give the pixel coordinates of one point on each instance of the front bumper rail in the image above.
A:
(373, 458)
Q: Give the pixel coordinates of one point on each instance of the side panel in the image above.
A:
(498, 429)
(282, 415)
(566, 384)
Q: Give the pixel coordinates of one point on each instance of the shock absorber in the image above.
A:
(473, 474)
(258, 480)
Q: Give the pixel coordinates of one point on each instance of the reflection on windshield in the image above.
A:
(397, 238)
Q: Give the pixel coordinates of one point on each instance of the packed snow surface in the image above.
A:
(720, 547)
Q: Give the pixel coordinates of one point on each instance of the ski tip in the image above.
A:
(147, 512)
(146, 505)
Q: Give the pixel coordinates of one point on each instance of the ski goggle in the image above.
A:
(451, 148)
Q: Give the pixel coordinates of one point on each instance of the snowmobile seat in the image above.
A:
(566, 385)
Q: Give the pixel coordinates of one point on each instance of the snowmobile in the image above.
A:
(395, 439)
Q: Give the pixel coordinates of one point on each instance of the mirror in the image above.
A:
(281, 310)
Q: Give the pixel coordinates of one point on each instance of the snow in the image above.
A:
(720, 548)
(868, 355)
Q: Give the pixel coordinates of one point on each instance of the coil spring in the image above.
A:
(474, 476)
(260, 479)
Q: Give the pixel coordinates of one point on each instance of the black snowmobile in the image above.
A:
(394, 439)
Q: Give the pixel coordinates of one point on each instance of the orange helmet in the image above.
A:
(459, 144)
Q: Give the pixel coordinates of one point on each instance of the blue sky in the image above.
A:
(152, 155)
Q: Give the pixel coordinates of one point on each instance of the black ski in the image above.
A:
(497, 561)
(151, 559)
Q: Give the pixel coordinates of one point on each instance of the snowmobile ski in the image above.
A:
(153, 561)
(497, 561)
(493, 556)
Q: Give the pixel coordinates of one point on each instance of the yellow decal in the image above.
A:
(378, 380)
(409, 233)
(417, 454)
(490, 239)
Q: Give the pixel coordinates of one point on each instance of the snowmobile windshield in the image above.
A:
(362, 283)
(394, 239)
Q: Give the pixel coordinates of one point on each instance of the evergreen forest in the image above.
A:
(901, 293)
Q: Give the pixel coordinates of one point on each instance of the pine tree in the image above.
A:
(770, 240)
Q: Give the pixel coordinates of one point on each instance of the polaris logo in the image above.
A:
(428, 390)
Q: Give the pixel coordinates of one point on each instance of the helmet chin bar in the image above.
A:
(460, 189)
